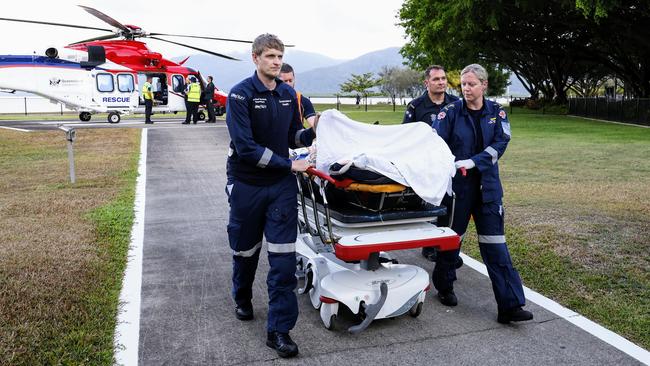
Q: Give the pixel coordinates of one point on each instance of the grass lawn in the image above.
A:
(63, 246)
(577, 213)
(576, 197)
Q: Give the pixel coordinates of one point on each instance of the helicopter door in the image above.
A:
(158, 86)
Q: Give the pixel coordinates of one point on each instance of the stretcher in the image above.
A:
(348, 230)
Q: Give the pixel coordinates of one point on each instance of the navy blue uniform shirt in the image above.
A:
(263, 124)
(455, 125)
(307, 109)
(423, 109)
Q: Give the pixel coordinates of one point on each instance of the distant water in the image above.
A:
(380, 100)
(352, 100)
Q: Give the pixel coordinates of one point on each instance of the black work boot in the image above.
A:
(244, 312)
(514, 315)
(448, 297)
(282, 344)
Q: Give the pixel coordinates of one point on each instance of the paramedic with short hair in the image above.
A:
(477, 132)
(263, 120)
(307, 111)
(425, 107)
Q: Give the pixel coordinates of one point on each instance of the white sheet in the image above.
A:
(411, 154)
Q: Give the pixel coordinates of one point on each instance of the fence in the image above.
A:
(635, 111)
(29, 104)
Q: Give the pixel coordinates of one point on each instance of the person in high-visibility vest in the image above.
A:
(305, 107)
(147, 95)
(193, 100)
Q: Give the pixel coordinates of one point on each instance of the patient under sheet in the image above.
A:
(411, 154)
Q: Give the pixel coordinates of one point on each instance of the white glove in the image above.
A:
(467, 164)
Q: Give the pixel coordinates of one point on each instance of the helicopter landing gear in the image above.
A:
(84, 116)
(114, 117)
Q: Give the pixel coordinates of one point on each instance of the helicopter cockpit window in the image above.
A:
(178, 84)
(105, 82)
(125, 83)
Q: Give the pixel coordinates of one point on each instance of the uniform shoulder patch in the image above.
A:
(502, 114)
(234, 95)
(442, 115)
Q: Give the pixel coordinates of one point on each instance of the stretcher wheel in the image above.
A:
(459, 262)
(332, 325)
(416, 310)
(328, 315)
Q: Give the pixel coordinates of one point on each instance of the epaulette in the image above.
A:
(416, 102)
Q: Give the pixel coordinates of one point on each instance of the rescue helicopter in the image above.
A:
(105, 75)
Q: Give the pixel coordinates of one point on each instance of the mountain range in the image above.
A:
(316, 74)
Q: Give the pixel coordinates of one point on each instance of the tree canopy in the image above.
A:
(359, 83)
(548, 45)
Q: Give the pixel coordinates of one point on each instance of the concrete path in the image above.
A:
(186, 312)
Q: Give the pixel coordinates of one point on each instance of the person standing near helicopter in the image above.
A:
(193, 99)
(147, 95)
(208, 94)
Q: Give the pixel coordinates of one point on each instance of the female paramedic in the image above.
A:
(477, 132)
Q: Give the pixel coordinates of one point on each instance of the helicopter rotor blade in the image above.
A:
(198, 49)
(100, 38)
(55, 24)
(212, 38)
(201, 37)
(106, 18)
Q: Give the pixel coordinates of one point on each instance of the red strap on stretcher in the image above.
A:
(337, 183)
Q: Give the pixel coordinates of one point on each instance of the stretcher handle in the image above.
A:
(337, 183)
(320, 174)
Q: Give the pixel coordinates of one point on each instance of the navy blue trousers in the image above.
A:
(489, 220)
(269, 211)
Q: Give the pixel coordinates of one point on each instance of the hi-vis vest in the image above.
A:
(146, 91)
(300, 108)
(194, 94)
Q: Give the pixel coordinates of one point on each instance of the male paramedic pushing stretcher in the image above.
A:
(264, 122)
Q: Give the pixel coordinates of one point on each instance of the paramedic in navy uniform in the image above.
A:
(425, 108)
(307, 111)
(477, 132)
(263, 120)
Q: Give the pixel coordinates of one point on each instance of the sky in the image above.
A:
(340, 29)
